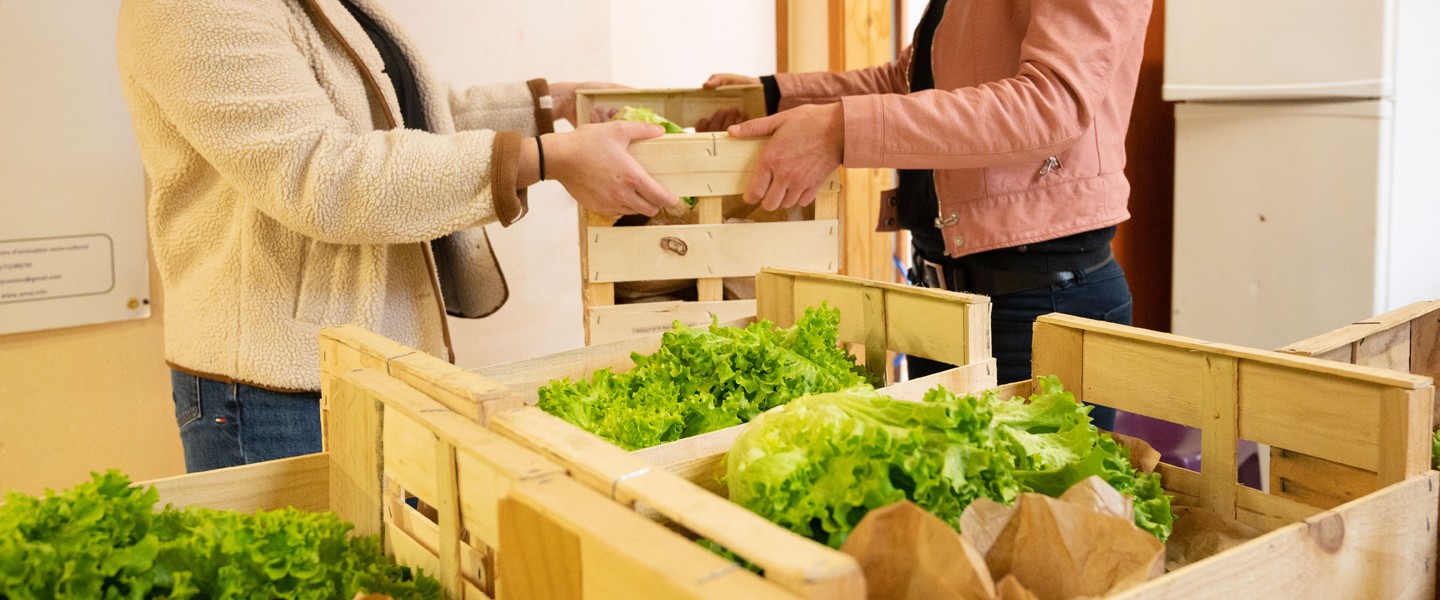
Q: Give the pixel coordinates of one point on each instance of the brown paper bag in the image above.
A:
(907, 553)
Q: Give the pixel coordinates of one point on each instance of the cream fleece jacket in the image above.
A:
(285, 199)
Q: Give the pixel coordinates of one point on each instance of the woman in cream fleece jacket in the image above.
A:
(302, 159)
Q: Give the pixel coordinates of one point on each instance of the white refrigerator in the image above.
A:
(1307, 176)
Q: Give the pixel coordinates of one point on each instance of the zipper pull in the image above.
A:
(1051, 164)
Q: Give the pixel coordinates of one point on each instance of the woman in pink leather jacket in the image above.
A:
(1007, 121)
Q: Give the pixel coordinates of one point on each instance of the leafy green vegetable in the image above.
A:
(102, 539)
(1435, 451)
(707, 379)
(645, 115)
(818, 464)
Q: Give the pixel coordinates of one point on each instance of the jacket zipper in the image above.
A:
(952, 218)
(391, 123)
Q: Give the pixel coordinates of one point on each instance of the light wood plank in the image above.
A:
(699, 459)
(1144, 377)
(1219, 401)
(841, 294)
(1282, 509)
(684, 106)
(524, 377)
(459, 390)
(613, 323)
(967, 379)
(562, 540)
(1302, 363)
(1180, 480)
(1425, 344)
(699, 164)
(354, 419)
(301, 482)
(594, 462)
(447, 507)
(775, 298)
(409, 551)
(1333, 418)
(1404, 438)
(1387, 349)
(876, 340)
(705, 251)
(1316, 481)
(935, 328)
(1059, 351)
(1385, 550)
(1345, 336)
(592, 294)
(710, 211)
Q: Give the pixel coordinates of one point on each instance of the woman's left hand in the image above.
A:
(807, 143)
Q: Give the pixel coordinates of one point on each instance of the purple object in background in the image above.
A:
(1180, 445)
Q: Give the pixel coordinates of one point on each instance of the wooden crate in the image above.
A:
(389, 441)
(1379, 546)
(709, 167)
(1406, 340)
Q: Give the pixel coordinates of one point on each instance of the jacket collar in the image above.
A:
(335, 18)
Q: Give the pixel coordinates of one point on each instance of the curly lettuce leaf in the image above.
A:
(705, 379)
(645, 115)
(817, 465)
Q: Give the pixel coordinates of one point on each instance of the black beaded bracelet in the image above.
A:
(540, 148)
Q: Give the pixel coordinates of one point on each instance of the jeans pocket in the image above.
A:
(1120, 314)
(185, 389)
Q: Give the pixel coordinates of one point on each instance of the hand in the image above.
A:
(720, 121)
(562, 95)
(594, 164)
(807, 143)
(723, 79)
(601, 114)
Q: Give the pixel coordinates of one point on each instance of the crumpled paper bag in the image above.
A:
(1200, 533)
(1084, 543)
(907, 553)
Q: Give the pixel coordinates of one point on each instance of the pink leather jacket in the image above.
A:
(1026, 127)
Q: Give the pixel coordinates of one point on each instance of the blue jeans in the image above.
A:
(1102, 294)
(228, 424)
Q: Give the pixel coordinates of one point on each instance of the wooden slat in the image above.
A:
(1180, 480)
(409, 551)
(684, 106)
(1345, 336)
(1316, 481)
(1425, 344)
(592, 294)
(562, 540)
(462, 392)
(840, 294)
(1219, 401)
(612, 323)
(775, 298)
(805, 568)
(1281, 509)
(1302, 363)
(1333, 418)
(302, 482)
(589, 459)
(1059, 351)
(1388, 349)
(699, 164)
(699, 251)
(1143, 377)
(354, 418)
(876, 337)
(447, 507)
(1383, 546)
(1404, 436)
(936, 328)
(967, 379)
(409, 458)
(524, 377)
(699, 459)
(710, 211)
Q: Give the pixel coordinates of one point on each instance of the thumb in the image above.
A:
(756, 127)
(714, 81)
(636, 130)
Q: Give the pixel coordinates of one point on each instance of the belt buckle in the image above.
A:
(934, 275)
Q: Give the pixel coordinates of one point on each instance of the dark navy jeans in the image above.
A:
(228, 424)
(1102, 294)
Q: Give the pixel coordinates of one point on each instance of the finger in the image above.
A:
(652, 192)
(703, 125)
(756, 127)
(775, 196)
(715, 81)
(796, 197)
(635, 130)
(759, 184)
(808, 196)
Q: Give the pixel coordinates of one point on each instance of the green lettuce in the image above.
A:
(103, 539)
(705, 379)
(645, 115)
(818, 464)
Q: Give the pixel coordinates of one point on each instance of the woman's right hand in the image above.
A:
(724, 79)
(594, 164)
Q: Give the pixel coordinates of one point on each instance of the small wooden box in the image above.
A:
(1380, 546)
(709, 167)
(1407, 340)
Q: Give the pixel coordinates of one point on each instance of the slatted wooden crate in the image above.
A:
(1378, 546)
(1406, 340)
(388, 442)
(708, 167)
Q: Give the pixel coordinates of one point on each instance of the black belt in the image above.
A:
(992, 282)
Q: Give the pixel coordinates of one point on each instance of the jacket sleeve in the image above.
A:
(523, 107)
(230, 80)
(797, 89)
(1068, 59)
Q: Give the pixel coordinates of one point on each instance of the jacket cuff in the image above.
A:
(544, 113)
(510, 203)
(864, 131)
(772, 94)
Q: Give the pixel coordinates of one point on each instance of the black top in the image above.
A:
(918, 205)
(407, 91)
